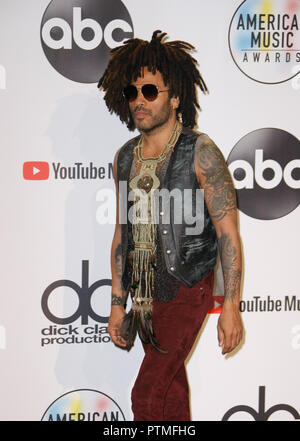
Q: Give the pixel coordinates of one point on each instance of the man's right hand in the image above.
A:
(114, 325)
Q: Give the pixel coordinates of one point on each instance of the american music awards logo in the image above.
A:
(264, 40)
(84, 405)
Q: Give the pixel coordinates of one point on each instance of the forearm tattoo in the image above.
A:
(219, 189)
(230, 265)
(118, 261)
(115, 298)
(118, 300)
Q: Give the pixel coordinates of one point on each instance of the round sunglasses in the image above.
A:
(149, 91)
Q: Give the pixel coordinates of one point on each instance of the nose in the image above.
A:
(140, 99)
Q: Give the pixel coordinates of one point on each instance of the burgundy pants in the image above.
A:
(161, 391)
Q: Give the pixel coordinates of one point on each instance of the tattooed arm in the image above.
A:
(214, 177)
(118, 296)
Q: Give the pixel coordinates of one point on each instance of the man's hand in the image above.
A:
(230, 328)
(114, 325)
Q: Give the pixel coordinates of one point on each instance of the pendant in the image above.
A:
(146, 179)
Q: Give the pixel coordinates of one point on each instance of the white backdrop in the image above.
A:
(51, 228)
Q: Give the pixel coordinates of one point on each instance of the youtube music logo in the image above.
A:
(218, 303)
(40, 170)
(36, 170)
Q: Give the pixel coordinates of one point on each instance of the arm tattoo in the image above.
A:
(219, 189)
(118, 300)
(115, 298)
(118, 260)
(231, 268)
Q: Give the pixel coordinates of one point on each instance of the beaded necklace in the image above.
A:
(139, 318)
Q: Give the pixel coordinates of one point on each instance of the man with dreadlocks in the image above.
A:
(166, 267)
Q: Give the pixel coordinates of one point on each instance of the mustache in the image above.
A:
(141, 108)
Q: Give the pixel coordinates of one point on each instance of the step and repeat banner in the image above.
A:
(58, 142)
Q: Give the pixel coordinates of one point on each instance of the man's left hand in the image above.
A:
(230, 327)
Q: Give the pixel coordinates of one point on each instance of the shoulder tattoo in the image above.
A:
(217, 183)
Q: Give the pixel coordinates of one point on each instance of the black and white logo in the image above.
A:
(65, 301)
(77, 36)
(262, 414)
(84, 295)
(265, 166)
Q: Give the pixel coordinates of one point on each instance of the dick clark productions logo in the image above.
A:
(262, 414)
(77, 36)
(84, 294)
(265, 166)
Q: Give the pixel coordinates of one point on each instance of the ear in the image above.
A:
(175, 102)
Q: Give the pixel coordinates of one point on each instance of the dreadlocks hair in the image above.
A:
(171, 59)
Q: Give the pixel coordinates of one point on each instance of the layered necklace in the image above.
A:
(139, 317)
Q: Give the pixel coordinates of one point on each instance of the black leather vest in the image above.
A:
(188, 257)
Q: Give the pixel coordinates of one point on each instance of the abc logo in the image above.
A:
(77, 36)
(265, 166)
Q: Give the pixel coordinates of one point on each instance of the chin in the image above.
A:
(143, 127)
(148, 128)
